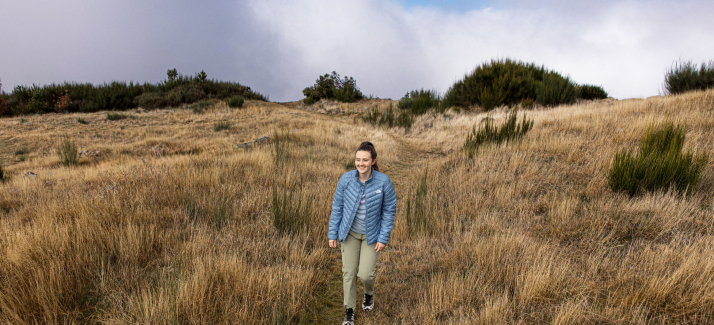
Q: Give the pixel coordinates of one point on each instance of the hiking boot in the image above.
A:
(368, 302)
(349, 317)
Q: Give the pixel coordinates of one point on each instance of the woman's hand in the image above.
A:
(333, 243)
(380, 247)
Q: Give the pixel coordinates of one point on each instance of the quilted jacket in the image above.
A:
(380, 200)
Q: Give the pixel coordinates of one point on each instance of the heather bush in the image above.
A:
(151, 100)
(507, 132)
(591, 92)
(686, 76)
(235, 102)
(555, 90)
(509, 82)
(659, 163)
(177, 89)
(419, 101)
(331, 86)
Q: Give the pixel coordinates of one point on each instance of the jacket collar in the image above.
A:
(369, 179)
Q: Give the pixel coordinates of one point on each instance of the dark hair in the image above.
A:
(368, 146)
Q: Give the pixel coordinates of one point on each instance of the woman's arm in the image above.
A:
(389, 208)
(336, 215)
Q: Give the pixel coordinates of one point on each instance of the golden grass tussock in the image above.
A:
(172, 223)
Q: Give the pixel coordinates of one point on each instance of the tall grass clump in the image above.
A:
(510, 82)
(220, 126)
(235, 102)
(116, 116)
(507, 132)
(68, 153)
(331, 86)
(281, 148)
(389, 118)
(686, 76)
(291, 210)
(418, 220)
(201, 106)
(660, 163)
(419, 101)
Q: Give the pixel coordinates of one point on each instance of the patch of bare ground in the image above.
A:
(169, 223)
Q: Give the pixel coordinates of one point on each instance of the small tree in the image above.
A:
(37, 102)
(331, 86)
(172, 74)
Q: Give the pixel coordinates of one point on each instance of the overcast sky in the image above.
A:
(278, 47)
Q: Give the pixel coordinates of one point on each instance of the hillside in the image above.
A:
(169, 222)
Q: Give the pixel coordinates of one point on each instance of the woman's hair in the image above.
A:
(368, 146)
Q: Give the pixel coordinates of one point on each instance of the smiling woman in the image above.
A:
(362, 219)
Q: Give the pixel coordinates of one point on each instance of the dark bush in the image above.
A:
(555, 90)
(686, 76)
(151, 100)
(509, 82)
(199, 107)
(509, 131)
(331, 86)
(235, 102)
(419, 101)
(176, 90)
(89, 106)
(591, 92)
(659, 163)
(220, 126)
(37, 102)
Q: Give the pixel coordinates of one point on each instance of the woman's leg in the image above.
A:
(367, 262)
(350, 262)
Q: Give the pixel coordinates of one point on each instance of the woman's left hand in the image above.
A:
(380, 247)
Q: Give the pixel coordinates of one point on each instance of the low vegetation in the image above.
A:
(117, 116)
(331, 86)
(685, 76)
(221, 126)
(81, 121)
(176, 90)
(200, 107)
(659, 163)
(235, 102)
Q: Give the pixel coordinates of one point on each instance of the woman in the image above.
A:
(362, 219)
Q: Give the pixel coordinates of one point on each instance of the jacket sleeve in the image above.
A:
(336, 215)
(389, 208)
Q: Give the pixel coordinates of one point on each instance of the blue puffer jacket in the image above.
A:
(380, 200)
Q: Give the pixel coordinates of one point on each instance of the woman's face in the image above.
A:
(364, 161)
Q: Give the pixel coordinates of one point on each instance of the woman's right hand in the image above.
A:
(333, 243)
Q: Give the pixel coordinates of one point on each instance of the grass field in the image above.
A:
(169, 223)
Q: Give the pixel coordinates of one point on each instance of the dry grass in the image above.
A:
(169, 224)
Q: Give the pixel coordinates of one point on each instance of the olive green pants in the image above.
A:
(358, 260)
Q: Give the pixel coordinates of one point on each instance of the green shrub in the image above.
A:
(89, 107)
(555, 90)
(509, 131)
(82, 121)
(419, 101)
(686, 76)
(292, 211)
(220, 126)
(331, 86)
(659, 163)
(199, 107)
(349, 164)
(37, 102)
(152, 100)
(509, 82)
(68, 153)
(116, 116)
(591, 92)
(185, 94)
(235, 102)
